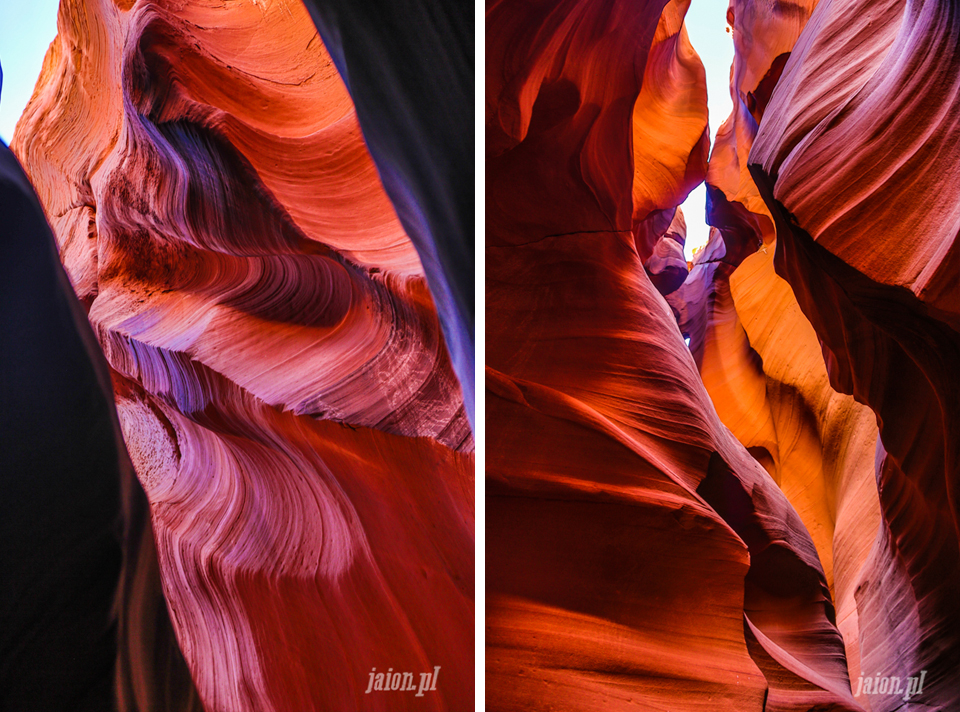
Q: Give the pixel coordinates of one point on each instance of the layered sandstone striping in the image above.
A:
(408, 65)
(638, 556)
(280, 374)
(857, 161)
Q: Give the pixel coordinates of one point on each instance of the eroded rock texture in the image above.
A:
(638, 556)
(408, 65)
(829, 308)
(857, 160)
(281, 378)
(758, 356)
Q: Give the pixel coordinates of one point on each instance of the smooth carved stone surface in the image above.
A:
(899, 196)
(408, 65)
(858, 162)
(761, 362)
(671, 139)
(280, 374)
(764, 33)
(667, 266)
(638, 556)
(758, 355)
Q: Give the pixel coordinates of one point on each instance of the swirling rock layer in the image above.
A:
(870, 248)
(857, 183)
(408, 65)
(282, 382)
(638, 556)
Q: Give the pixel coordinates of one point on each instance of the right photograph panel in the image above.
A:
(723, 355)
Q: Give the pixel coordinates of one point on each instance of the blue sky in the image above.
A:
(27, 29)
(707, 27)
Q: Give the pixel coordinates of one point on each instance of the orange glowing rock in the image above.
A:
(763, 36)
(638, 556)
(283, 386)
(857, 161)
(761, 362)
(858, 188)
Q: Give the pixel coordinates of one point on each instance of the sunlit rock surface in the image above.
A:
(638, 556)
(829, 309)
(764, 32)
(758, 356)
(858, 162)
(760, 361)
(282, 382)
(409, 67)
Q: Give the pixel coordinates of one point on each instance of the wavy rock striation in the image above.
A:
(408, 65)
(638, 556)
(858, 216)
(758, 356)
(282, 383)
(857, 162)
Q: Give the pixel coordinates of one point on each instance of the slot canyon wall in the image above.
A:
(273, 346)
(724, 526)
(860, 172)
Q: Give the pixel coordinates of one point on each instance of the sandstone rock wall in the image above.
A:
(638, 556)
(280, 373)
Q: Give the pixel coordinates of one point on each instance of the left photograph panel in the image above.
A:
(237, 356)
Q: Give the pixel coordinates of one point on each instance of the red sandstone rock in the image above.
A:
(638, 556)
(281, 378)
(853, 234)
(857, 159)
